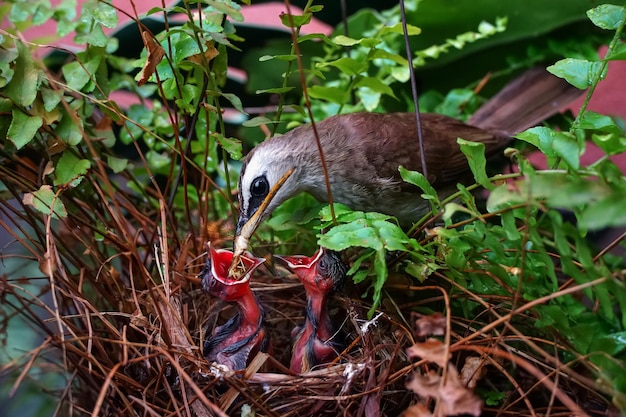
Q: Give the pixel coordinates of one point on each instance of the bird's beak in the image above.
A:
(246, 226)
(219, 260)
(301, 262)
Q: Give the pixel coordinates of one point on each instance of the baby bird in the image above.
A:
(316, 342)
(234, 343)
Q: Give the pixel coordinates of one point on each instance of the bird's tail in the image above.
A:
(525, 102)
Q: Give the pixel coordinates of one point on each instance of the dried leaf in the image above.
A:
(452, 397)
(417, 410)
(210, 53)
(155, 55)
(433, 350)
(473, 370)
(48, 264)
(432, 325)
(139, 320)
(48, 169)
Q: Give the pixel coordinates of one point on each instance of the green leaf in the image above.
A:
(235, 101)
(553, 144)
(456, 100)
(157, 160)
(493, 398)
(595, 121)
(612, 344)
(259, 121)
(380, 267)
(346, 65)
(376, 85)
(342, 40)
(421, 270)
(105, 14)
(332, 94)
(295, 20)
(117, 165)
(231, 145)
(451, 208)
(617, 53)
(21, 11)
(367, 233)
(23, 128)
(88, 33)
(51, 98)
(23, 87)
(45, 201)
(184, 47)
(367, 230)
(229, 8)
(69, 129)
(557, 189)
(382, 54)
(607, 16)
(418, 179)
(316, 37)
(608, 212)
(509, 224)
(340, 211)
(401, 74)
(397, 28)
(293, 213)
(286, 58)
(69, 170)
(357, 233)
(578, 72)
(7, 58)
(457, 257)
(369, 98)
(475, 154)
(611, 144)
(78, 74)
(277, 90)
(43, 14)
(140, 116)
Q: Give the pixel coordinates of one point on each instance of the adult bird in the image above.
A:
(364, 150)
(317, 341)
(234, 343)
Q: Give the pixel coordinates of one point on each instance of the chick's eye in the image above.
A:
(260, 187)
(323, 266)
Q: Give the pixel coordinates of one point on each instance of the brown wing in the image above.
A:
(390, 140)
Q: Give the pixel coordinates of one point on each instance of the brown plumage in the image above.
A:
(364, 150)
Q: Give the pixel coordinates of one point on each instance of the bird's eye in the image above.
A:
(260, 187)
(322, 266)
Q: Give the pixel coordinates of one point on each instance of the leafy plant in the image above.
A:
(510, 250)
(111, 204)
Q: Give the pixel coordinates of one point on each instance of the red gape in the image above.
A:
(234, 343)
(316, 342)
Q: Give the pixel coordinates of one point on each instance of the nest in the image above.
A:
(168, 373)
(132, 347)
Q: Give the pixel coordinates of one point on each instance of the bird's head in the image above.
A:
(269, 176)
(265, 182)
(324, 272)
(217, 281)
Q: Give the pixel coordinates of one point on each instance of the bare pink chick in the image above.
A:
(235, 342)
(317, 340)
